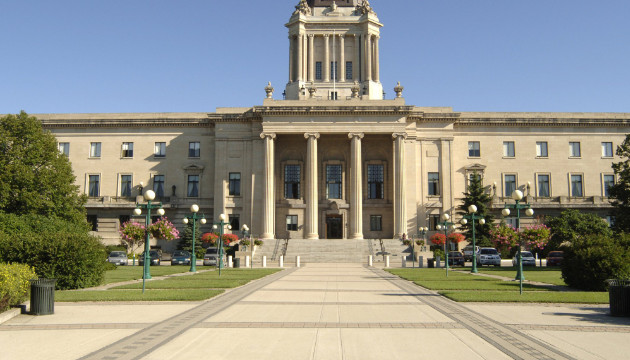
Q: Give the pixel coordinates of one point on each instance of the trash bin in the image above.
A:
(430, 263)
(619, 296)
(237, 263)
(43, 296)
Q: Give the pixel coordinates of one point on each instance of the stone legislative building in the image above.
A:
(333, 159)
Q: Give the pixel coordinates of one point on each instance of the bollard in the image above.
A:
(230, 262)
(264, 261)
(281, 261)
(420, 261)
(404, 262)
(387, 261)
(437, 262)
(247, 261)
(297, 261)
(370, 262)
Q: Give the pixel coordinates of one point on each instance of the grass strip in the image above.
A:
(477, 285)
(136, 295)
(544, 275)
(175, 283)
(528, 297)
(127, 273)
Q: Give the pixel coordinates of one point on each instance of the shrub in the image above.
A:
(55, 248)
(438, 238)
(14, 284)
(258, 242)
(590, 260)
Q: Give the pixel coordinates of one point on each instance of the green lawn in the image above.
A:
(466, 287)
(126, 273)
(136, 295)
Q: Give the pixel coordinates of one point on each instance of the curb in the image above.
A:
(9, 314)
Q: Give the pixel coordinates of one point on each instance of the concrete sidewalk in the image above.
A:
(320, 311)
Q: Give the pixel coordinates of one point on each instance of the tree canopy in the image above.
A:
(620, 192)
(35, 178)
(572, 224)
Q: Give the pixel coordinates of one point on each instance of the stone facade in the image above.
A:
(333, 159)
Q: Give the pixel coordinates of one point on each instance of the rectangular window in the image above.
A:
(333, 95)
(434, 184)
(508, 148)
(376, 223)
(95, 149)
(574, 149)
(235, 184)
(376, 182)
(333, 182)
(333, 71)
(292, 223)
(510, 184)
(543, 186)
(194, 149)
(235, 222)
(541, 149)
(318, 70)
(292, 178)
(607, 149)
(127, 150)
(474, 149)
(158, 185)
(93, 221)
(160, 149)
(434, 220)
(577, 189)
(193, 186)
(64, 148)
(609, 180)
(94, 188)
(349, 75)
(610, 219)
(125, 185)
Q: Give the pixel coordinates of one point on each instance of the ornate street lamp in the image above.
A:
(444, 225)
(517, 195)
(149, 196)
(220, 225)
(423, 231)
(245, 230)
(193, 257)
(472, 216)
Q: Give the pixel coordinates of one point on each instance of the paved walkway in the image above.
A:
(320, 311)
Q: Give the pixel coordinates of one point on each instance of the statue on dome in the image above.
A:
(364, 8)
(302, 8)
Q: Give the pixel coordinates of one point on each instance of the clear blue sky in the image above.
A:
(70, 56)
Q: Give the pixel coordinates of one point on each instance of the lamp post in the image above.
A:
(472, 216)
(193, 257)
(245, 230)
(423, 232)
(149, 196)
(444, 225)
(220, 225)
(517, 195)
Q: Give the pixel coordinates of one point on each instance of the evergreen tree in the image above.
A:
(185, 242)
(476, 195)
(35, 178)
(620, 192)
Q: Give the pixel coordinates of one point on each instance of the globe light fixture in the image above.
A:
(185, 221)
(137, 211)
(472, 209)
(463, 221)
(505, 212)
(149, 195)
(161, 212)
(517, 195)
(194, 208)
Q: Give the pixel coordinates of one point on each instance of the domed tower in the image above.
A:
(334, 51)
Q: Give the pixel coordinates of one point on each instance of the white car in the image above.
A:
(211, 257)
(528, 259)
(468, 252)
(488, 256)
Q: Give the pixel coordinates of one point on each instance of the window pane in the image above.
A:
(235, 222)
(474, 149)
(292, 178)
(508, 149)
(193, 185)
(575, 149)
(349, 70)
(510, 184)
(376, 179)
(127, 149)
(158, 185)
(607, 149)
(333, 71)
(333, 182)
(292, 223)
(95, 149)
(543, 185)
(318, 70)
(434, 184)
(541, 149)
(194, 149)
(160, 149)
(64, 148)
(235, 184)
(609, 180)
(94, 186)
(376, 223)
(125, 185)
(576, 185)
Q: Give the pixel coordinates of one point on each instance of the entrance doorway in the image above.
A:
(334, 227)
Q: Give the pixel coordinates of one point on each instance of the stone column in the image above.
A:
(356, 67)
(300, 61)
(291, 59)
(311, 58)
(342, 58)
(400, 218)
(377, 75)
(356, 188)
(368, 57)
(311, 194)
(326, 57)
(268, 209)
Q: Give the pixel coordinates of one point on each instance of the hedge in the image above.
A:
(14, 284)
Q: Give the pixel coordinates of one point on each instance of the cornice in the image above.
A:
(542, 122)
(333, 110)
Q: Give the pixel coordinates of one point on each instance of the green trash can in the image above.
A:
(431, 263)
(237, 263)
(619, 296)
(43, 296)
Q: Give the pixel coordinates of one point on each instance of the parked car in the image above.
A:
(180, 257)
(528, 259)
(211, 256)
(155, 258)
(455, 258)
(488, 256)
(468, 252)
(117, 257)
(555, 258)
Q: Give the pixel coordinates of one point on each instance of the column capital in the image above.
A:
(358, 135)
(326, 35)
(397, 135)
(311, 35)
(310, 135)
(268, 135)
